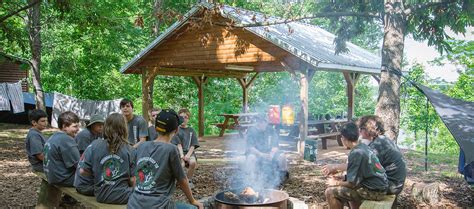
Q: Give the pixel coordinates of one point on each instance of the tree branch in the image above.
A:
(19, 10)
(415, 7)
(284, 21)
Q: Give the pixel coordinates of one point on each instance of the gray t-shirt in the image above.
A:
(186, 137)
(392, 160)
(60, 159)
(364, 169)
(84, 138)
(137, 128)
(263, 141)
(156, 171)
(152, 134)
(111, 172)
(34, 144)
(84, 184)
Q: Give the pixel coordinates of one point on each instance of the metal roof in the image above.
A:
(307, 42)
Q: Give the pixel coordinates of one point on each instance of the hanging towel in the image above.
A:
(4, 101)
(16, 96)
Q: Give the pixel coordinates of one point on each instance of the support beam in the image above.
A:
(200, 82)
(148, 77)
(351, 81)
(304, 89)
(246, 84)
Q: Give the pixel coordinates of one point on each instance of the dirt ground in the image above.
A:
(218, 157)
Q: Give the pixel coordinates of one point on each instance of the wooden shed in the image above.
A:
(13, 69)
(202, 45)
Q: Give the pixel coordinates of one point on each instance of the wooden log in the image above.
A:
(425, 193)
(49, 196)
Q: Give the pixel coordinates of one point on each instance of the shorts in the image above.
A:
(346, 194)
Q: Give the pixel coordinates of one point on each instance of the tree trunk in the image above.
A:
(156, 15)
(388, 104)
(156, 31)
(34, 29)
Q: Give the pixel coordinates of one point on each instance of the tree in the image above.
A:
(425, 20)
(34, 32)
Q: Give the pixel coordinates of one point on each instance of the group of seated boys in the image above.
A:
(119, 160)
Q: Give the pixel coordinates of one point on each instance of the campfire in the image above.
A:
(248, 197)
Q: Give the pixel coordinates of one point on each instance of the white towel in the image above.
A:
(16, 96)
(4, 101)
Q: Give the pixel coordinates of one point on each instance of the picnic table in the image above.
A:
(326, 129)
(239, 121)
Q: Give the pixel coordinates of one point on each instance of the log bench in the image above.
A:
(333, 135)
(386, 203)
(50, 196)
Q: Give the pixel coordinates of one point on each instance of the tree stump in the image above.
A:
(425, 193)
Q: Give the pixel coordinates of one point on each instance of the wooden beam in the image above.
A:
(200, 82)
(199, 72)
(246, 84)
(304, 84)
(351, 80)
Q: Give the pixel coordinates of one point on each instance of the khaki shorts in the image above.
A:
(347, 194)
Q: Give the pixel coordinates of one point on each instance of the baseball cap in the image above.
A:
(167, 120)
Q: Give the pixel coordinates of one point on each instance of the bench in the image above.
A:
(386, 203)
(241, 127)
(336, 135)
(50, 196)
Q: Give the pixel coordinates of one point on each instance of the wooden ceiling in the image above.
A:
(211, 51)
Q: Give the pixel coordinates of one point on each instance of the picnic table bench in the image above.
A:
(50, 196)
(325, 129)
(240, 122)
(386, 203)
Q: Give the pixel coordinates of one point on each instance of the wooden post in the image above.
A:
(304, 108)
(49, 196)
(148, 77)
(200, 82)
(351, 80)
(245, 87)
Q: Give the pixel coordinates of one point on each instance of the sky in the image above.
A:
(421, 53)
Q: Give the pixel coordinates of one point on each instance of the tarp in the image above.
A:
(83, 108)
(29, 98)
(457, 115)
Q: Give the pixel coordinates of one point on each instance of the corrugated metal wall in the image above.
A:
(10, 72)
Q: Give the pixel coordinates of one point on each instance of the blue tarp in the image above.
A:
(29, 98)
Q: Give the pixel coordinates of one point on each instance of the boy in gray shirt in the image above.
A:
(366, 178)
(158, 168)
(60, 151)
(34, 142)
(137, 126)
(187, 141)
(92, 132)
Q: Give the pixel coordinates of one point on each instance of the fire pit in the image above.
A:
(267, 198)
